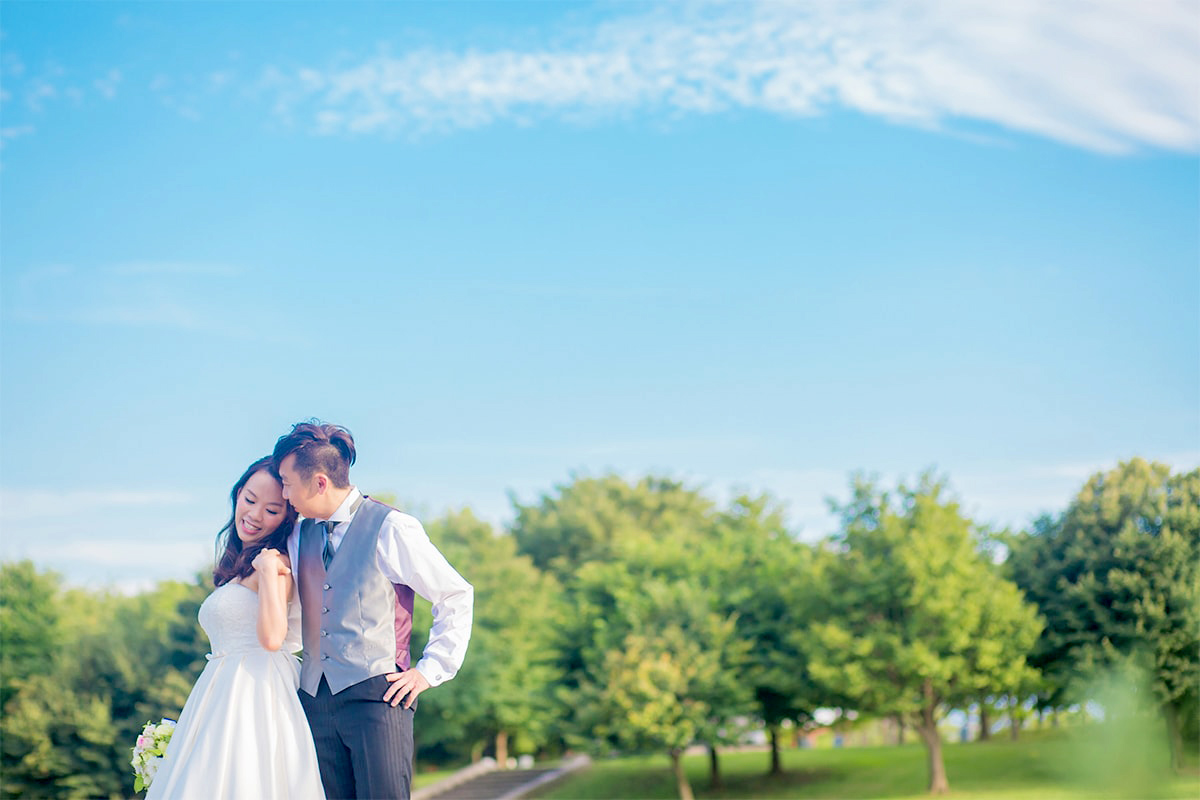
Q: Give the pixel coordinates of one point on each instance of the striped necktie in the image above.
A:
(327, 527)
(327, 551)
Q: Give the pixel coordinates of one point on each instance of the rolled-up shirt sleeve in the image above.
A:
(407, 556)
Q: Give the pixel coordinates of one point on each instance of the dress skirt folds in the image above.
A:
(242, 734)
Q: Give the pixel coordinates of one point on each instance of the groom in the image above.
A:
(358, 563)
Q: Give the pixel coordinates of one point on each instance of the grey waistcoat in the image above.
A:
(356, 623)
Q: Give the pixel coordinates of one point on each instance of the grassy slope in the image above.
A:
(424, 778)
(1041, 768)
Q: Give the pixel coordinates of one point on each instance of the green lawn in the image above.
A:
(423, 778)
(1062, 767)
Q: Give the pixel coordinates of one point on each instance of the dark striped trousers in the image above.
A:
(364, 746)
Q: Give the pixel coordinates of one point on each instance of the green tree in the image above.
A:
(915, 619)
(651, 595)
(57, 731)
(1008, 676)
(30, 630)
(60, 741)
(1116, 578)
(764, 577)
(581, 521)
(654, 692)
(636, 560)
(105, 668)
(500, 692)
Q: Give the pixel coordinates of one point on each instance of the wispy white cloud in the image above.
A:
(104, 537)
(190, 95)
(56, 293)
(803, 492)
(1015, 495)
(101, 536)
(1008, 496)
(17, 505)
(14, 132)
(12, 65)
(172, 268)
(155, 294)
(38, 93)
(618, 450)
(1101, 74)
(597, 291)
(163, 314)
(50, 85)
(1106, 75)
(128, 565)
(1011, 495)
(107, 85)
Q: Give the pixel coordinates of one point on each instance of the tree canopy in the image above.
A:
(1115, 576)
(915, 620)
(643, 616)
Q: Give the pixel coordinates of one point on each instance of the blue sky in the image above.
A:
(745, 245)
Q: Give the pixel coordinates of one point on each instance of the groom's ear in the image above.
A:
(322, 482)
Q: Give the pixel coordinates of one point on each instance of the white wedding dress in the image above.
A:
(242, 734)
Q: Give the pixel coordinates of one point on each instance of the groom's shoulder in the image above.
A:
(400, 519)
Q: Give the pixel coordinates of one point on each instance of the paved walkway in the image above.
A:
(482, 781)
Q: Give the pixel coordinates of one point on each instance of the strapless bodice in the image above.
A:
(230, 618)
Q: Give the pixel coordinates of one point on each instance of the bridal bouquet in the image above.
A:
(148, 752)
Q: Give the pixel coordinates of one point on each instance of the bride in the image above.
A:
(242, 732)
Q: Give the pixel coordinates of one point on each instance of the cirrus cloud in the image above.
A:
(1104, 75)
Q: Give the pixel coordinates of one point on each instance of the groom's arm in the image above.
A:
(408, 557)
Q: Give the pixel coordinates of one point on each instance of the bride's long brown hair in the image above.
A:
(233, 559)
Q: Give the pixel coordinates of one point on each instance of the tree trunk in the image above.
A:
(1174, 737)
(1014, 721)
(899, 729)
(714, 767)
(985, 724)
(502, 749)
(938, 784)
(776, 766)
(681, 781)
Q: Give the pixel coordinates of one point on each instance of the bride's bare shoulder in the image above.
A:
(250, 581)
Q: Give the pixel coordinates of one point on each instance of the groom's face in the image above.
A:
(302, 494)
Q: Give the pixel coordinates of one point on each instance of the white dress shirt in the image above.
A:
(406, 556)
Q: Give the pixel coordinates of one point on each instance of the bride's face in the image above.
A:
(260, 507)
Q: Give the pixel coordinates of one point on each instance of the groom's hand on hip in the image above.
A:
(409, 683)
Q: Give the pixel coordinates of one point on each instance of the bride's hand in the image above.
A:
(270, 562)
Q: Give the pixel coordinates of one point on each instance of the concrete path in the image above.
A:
(482, 781)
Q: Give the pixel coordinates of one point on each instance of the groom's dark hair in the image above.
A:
(318, 448)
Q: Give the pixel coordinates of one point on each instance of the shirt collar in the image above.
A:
(343, 511)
